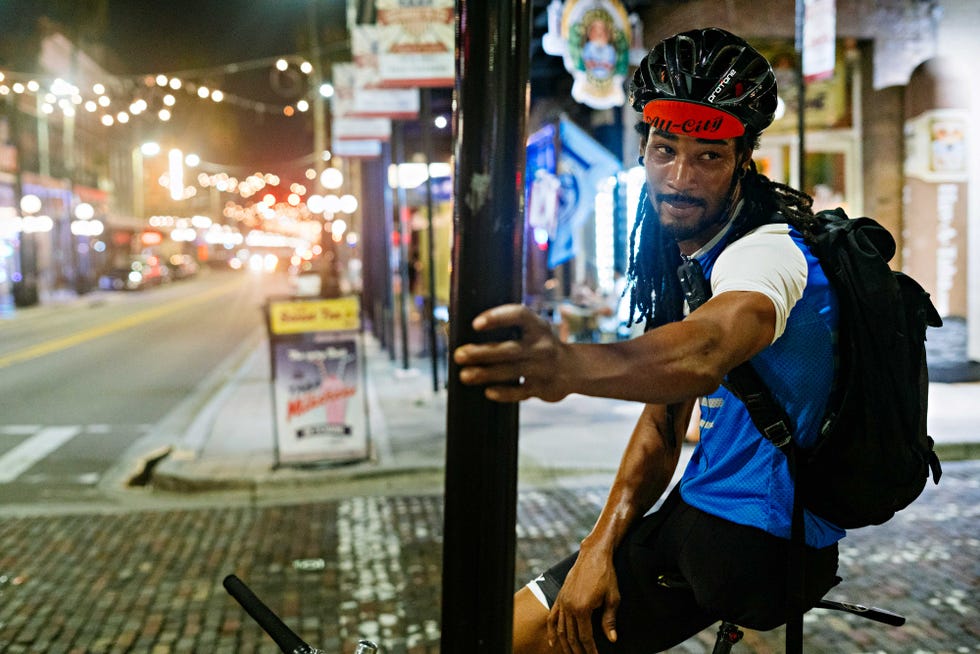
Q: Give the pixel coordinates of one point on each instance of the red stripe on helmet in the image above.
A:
(691, 119)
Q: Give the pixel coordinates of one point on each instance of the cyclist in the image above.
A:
(704, 97)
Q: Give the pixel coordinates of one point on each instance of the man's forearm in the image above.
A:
(676, 361)
(668, 365)
(644, 473)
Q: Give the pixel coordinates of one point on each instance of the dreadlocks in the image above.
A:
(656, 295)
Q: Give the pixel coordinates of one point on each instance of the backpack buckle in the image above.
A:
(778, 434)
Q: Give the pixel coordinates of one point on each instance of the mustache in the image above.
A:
(680, 198)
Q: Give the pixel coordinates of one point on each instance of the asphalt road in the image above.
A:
(81, 382)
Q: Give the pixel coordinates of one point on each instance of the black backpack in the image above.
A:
(873, 455)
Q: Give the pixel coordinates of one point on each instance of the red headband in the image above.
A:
(691, 119)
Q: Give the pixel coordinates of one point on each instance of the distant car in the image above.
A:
(142, 271)
(182, 266)
(304, 277)
(120, 279)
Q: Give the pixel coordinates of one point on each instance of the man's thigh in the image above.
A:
(530, 624)
(650, 618)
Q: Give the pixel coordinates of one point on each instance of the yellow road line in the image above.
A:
(42, 349)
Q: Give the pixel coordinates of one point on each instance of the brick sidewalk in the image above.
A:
(369, 566)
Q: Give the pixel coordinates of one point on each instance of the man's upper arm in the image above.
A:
(740, 323)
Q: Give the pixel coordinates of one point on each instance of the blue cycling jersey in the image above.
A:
(734, 473)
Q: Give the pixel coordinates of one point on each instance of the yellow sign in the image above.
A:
(303, 316)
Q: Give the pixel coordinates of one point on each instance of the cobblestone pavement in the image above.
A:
(150, 581)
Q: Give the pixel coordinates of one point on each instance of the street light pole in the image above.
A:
(492, 45)
(319, 108)
(801, 94)
(329, 281)
(431, 232)
(138, 183)
(404, 231)
(139, 154)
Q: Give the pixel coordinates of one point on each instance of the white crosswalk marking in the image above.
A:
(32, 450)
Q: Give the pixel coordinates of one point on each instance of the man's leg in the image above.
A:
(530, 624)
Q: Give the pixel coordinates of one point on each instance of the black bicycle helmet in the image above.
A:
(711, 68)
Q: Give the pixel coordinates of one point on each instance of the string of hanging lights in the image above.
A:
(120, 99)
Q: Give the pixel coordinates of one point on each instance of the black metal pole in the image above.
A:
(376, 239)
(801, 93)
(481, 454)
(426, 125)
(404, 233)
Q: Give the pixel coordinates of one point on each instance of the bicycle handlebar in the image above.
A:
(869, 612)
(285, 638)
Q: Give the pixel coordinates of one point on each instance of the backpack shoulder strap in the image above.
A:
(743, 381)
(770, 418)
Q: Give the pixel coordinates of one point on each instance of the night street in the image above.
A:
(369, 566)
(83, 382)
(362, 301)
(87, 565)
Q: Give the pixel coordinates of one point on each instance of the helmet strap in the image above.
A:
(734, 195)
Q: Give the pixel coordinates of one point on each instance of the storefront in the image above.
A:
(9, 240)
(833, 164)
(46, 239)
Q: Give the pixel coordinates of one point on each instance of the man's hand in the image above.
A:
(514, 370)
(591, 584)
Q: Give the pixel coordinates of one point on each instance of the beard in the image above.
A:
(687, 231)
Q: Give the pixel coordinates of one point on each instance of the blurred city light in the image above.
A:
(30, 204)
(315, 203)
(176, 169)
(337, 229)
(332, 178)
(84, 211)
(413, 175)
(348, 203)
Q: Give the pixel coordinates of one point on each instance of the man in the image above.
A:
(718, 546)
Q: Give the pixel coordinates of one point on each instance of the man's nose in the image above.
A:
(681, 176)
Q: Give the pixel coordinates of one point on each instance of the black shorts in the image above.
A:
(715, 570)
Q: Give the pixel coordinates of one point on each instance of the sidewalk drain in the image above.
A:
(309, 564)
(144, 473)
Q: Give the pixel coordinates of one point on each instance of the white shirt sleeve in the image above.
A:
(767, 261)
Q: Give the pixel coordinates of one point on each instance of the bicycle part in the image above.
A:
(728, 635)
(869, 612)
(284, 637)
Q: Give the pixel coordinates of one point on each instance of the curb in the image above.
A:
(957, 451)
